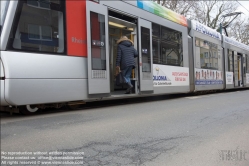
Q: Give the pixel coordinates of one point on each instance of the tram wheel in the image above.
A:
(28, 110)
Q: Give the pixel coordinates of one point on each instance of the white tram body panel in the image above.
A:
(236, 63)
(2, 99)
(36, 79)
(65, 51)
(208, 57)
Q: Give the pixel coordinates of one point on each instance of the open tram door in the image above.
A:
(241, 73)
(120, 25)
(145, 56)
(238, 69)
(97, 49)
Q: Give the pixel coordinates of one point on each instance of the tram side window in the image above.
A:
(167, 46)
(156, 50)
(98, 47)
(208, 54)
(39, 3)
(39, 27)
(156, 43)
(145, 38)
(4, 8)
(171, 47)
(230, 60)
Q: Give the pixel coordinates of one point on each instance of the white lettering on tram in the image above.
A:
(80, 41)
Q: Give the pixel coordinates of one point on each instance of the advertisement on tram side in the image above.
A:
(170, 76)
(229, 77)
(161, 11)
(76, 28)
(208, 77)
(247, 78)
(205, 30)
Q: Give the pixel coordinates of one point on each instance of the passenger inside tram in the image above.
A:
(118, 28)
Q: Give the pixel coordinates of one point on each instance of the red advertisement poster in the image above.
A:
(76, 27)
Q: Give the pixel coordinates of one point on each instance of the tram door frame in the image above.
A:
(241, 69)
(238, 64)
(128, 30)
(244, 67)
(145, 77)
(235, 69)
(98, 79)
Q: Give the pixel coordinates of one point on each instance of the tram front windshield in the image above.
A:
(4, 8)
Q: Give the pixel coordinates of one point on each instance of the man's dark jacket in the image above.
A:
(126, 54)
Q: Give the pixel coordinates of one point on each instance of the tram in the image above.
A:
(56, 53)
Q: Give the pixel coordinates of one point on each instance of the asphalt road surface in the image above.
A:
(204, 130)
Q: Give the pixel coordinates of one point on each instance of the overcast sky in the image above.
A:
(242, 9)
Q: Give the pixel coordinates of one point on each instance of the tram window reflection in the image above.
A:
(209, 58)
(167, 46)
(40, 27)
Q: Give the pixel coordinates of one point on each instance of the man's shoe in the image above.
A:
(129, 89)
(128, 92)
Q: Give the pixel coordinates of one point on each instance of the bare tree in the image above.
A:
(239, 30)
(210, 12)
